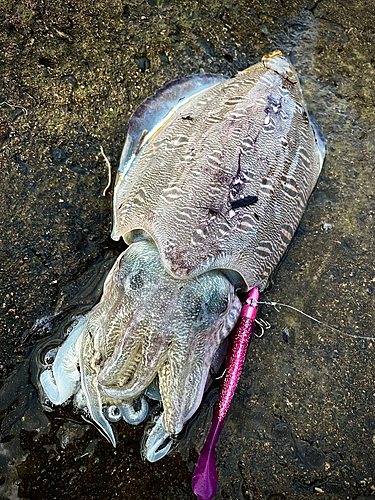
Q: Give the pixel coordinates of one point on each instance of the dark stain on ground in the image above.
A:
(72, 74)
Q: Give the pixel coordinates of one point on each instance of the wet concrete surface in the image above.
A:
(303, 421)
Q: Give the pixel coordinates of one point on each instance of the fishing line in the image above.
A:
(274, 304)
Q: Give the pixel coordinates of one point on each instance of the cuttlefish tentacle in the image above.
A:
(130, 370)
(137, 351)
(112, 413)
(62, 381)
(183, 377)
(147, 324)
(89, 383)
(133, 416)
(153, 391)
(157, 444)
(182, 380)
(128, 412)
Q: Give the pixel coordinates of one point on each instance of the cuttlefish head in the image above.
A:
(146, 324)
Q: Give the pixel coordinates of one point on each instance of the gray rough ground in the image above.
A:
(303, 421)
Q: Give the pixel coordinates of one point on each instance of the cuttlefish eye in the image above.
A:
(205, 305)
(132, 274)
(136, 280)
(212, 307)
(222, 302)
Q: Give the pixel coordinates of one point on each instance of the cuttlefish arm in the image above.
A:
(61, 382)
(146, 324)
(89, 383)
(174, 331)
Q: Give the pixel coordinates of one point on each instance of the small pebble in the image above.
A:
(70, 79)
(58, 155)
(163, 58)
(318, 491)
(286, 335)
(143, 63)
(327, 226)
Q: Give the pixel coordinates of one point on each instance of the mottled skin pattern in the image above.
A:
(213, 180)
(157, 325)
(249, 135)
